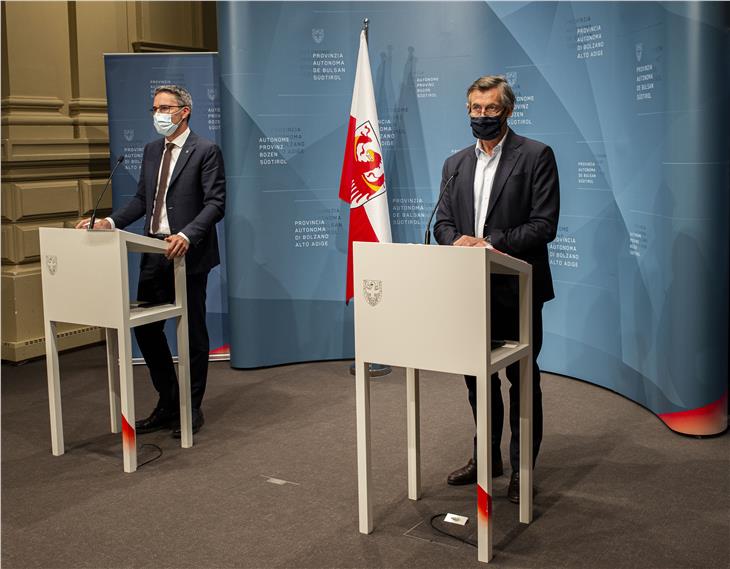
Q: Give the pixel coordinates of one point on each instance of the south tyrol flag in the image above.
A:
(363, 174)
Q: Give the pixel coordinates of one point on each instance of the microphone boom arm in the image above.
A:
(427, 238)
(92, 219)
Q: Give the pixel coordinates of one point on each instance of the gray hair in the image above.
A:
(490, 82)
(183, 96)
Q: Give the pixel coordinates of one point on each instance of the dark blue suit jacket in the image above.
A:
(522, 216)
(196, 198)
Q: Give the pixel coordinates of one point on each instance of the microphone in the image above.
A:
(427, 239)
(92, 219)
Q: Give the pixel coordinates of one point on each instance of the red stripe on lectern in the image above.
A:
(707, 420)
(484, 503)
(128, 435)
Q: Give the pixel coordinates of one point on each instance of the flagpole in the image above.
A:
(376, 370)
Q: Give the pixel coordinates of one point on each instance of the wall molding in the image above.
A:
(20, 243)
(87, 111)
(157, 47)
(26, 201)
(53, 150)
(26, 103)
(40, 171)
(31, 348)
(82, 104)
(35, 111)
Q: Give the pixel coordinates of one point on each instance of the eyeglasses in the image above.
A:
(165, 109)
(489, 110)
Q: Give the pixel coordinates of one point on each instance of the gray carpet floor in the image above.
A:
(614, 487)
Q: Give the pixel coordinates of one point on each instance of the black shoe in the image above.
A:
(513, 491)
(160, 419)
(198, 422)
(468, 474)
(464, 475)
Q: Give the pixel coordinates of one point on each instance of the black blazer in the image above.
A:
(196, 198)
(522, 217)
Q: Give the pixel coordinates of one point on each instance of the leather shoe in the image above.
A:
(159, 419)
(513, 490)
(468, 474)
(464, 475)
(198, 422)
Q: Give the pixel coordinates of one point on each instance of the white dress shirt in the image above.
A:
(179, 142)
(483, 181)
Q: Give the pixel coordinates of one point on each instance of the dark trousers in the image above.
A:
(505, 326)
(157, 284)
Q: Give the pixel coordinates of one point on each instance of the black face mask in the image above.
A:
(486, 128)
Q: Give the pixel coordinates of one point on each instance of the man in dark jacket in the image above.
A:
(506, 196)
(181, 193)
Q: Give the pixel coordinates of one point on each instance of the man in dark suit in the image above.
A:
(181, 193)
(506, 196)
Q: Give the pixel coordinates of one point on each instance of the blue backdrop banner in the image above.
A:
(631, 96)
(131, 80)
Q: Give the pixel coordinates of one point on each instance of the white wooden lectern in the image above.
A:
(427, 307)
(86, 281)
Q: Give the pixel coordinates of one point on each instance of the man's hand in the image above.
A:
(177, 247)
(469, 241)
(98, 224)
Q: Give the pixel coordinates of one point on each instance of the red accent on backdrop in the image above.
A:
(223, 350)
(708, 420)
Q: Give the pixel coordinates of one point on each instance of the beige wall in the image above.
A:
(55, 153)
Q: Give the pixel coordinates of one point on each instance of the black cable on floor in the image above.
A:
(450, 534)
(159, 450)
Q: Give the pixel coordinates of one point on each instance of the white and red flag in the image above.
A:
(363, 173)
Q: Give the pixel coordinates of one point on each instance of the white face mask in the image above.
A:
(163, 123)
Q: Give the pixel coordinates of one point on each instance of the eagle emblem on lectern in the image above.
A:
(52, 263)
(373, 291)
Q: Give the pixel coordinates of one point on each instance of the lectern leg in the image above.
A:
(526, 379)
(129, 437)
(54, 389)
(364, 470)
(526, 440)
(414, 433)
(112, 364)
(484, 468)
(183, 379)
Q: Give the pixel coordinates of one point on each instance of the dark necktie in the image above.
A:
(161, 189)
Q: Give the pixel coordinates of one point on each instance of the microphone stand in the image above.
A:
(427, 238)
(92, 219)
